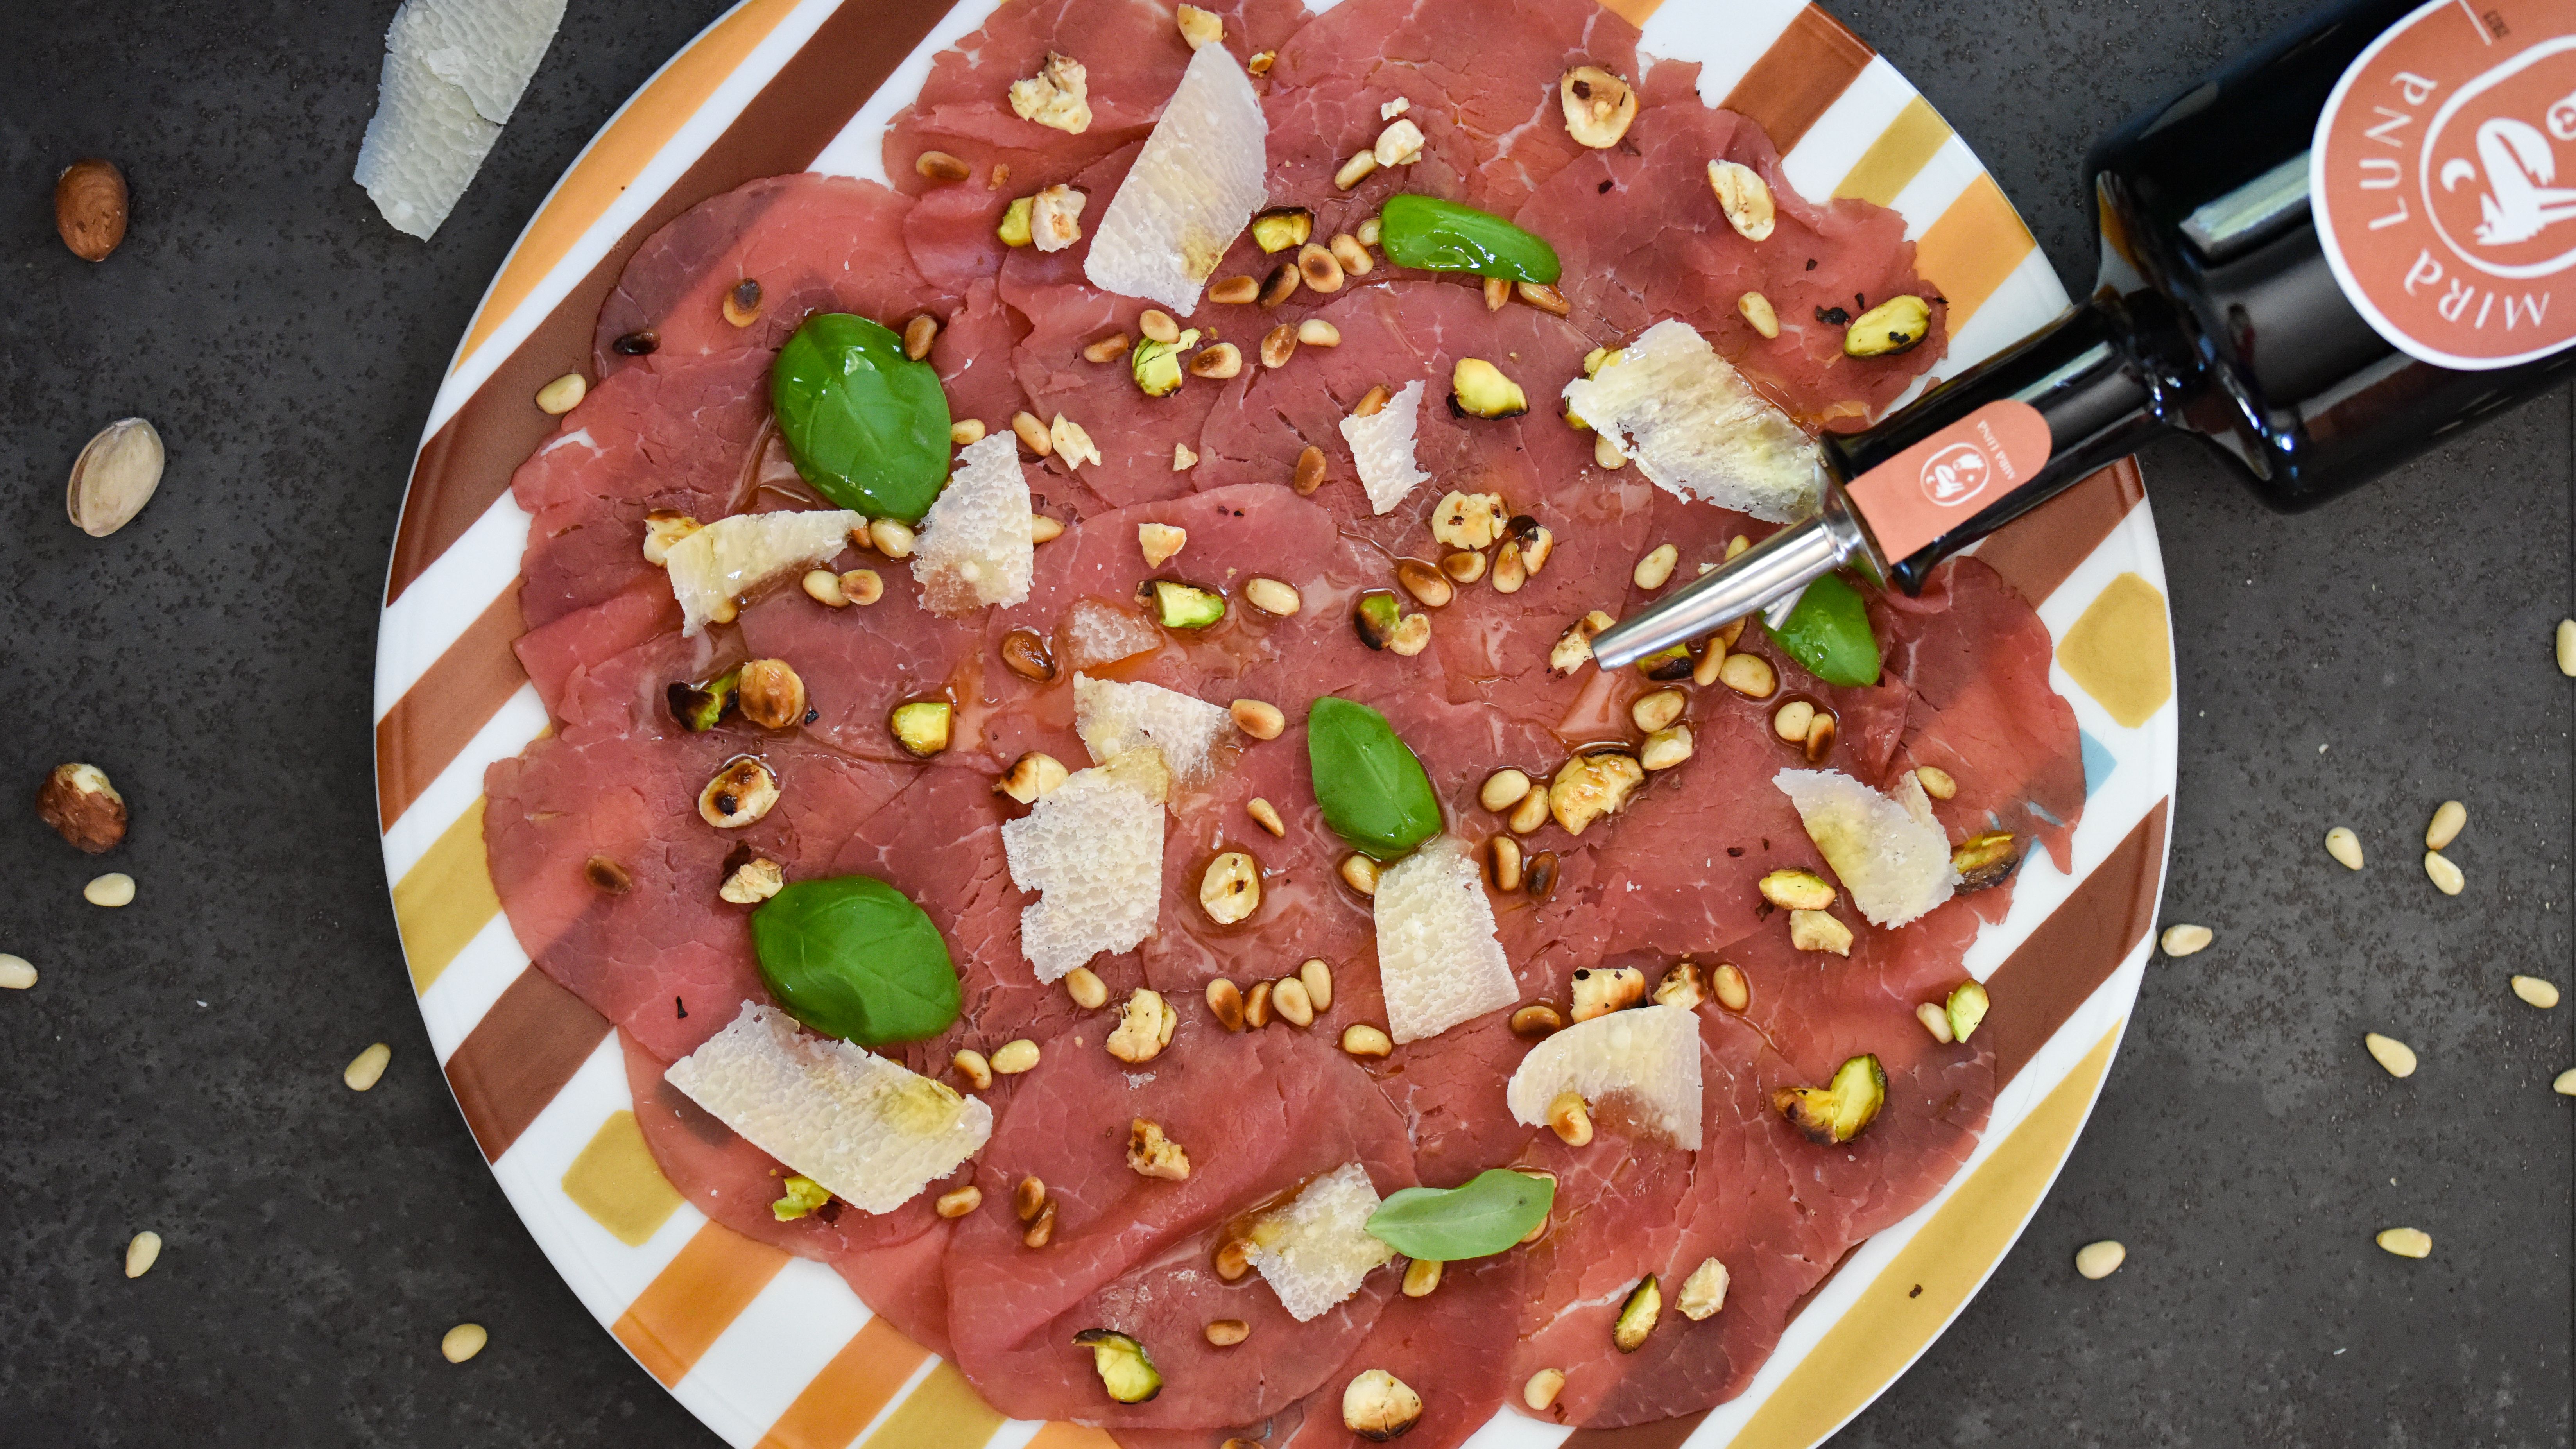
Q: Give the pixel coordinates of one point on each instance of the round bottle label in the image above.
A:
(2443, 181)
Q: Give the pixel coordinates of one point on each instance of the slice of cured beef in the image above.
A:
(814, 243)
(1260, 1115)
(1643, 239)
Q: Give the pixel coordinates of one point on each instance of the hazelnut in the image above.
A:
(89, 208)
(83, 807)
(770, 694)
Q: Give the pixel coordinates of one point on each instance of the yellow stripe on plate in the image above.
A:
(1972, 248)
(943, 1411)
(616, 1181)
(1898, 155)
(445, 898)
(620, 154)
(1915, 1294)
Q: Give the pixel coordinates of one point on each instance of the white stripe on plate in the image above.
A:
(604, 1273)
(521, 718)
(676, 156)
(465, 991)
(1726, 38)
(1934, 187)
(859, 150)
(447, 598)
(1846, 131)
(771, 1351)
(1509, 1430)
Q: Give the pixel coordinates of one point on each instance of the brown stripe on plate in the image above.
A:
(1662, 1434)
(447, 706)
(1812, 63)
(702, 1291)
(2077, 948)
(466, 464)
(2051, 541)
(850, 1391)
(519, 1056)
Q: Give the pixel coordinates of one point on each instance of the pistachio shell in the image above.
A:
(114, 477)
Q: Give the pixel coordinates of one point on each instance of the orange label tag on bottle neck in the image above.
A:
(1949, 477)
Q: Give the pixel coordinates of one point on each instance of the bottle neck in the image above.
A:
(2087, 377)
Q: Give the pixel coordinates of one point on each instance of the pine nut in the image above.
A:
(1233, 1259)
(1279, 346)
(566, 392)
(2100, 1260)
(1506, 854)
(1227, 1332)
(1309, 473)
(113, 889)
(1790, 721)
(1757, 310)
(1936, 782)
(17, 973)
(890, 538)
(1086, 988)
(1015, 1057)
(1510, 572)
(1356, 170)
(862, 586)
(463, 1342)
(1316, 332)
(918, 334)
(1568, 1119)
(2565, 1083)
(1504, 789)
(2389, 1052)
(1032, 433)
(1280, 285)
(2567, 647)
(1363, 1040)
(1537, 1020)
(1041, 1232)
(1820, 737)
(1235, 291)
(1288, 998)
(367, 1068)
(1530, 814)
(1653, 711)
(1028, 1198)
(1258, 718)
(142, 1253)
(1498, 293)
(966, 431)
(2446, 876)
(940, 166)
(2448, 817)
(1045, 528)
(1545, 298)
(1607, 455)
(1107, 349)
(1656, 568)
(1421, 1276)
(2186, 940)
(1271, 596)
(2406, 1242)
(1319, 268)
(1360, 873)
(1728, 985)
(1372, 402)
(1935, 1021)
(1256, 1006)
(824, 587)
(2535, 992)
(1267, 815)
(1428, 586)
(973, 1066)
(1316, 975)
(1158, 325)
(1541, 1390)
(1666, 748)
(959, 1203)
(1355, 259)
(2344, 846)
(1225, 1003)
(1463, 566)
(1749, 675)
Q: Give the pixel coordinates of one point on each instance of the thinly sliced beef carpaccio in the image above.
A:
(610, 875)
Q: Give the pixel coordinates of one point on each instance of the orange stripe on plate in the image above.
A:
(942, 1412)
(445, 898)
(1898, 155)
(1073, 1436)
(1901, 1310)
(1635, 12)
(1812, 63)
(519, 1056)
(620, 153)
(453, 699)
(705, 1288)
(1971, 248)
(850, 1392)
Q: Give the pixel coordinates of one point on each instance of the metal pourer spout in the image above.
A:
(1776, 568)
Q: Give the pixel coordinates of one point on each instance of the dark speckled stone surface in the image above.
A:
(178, 1067)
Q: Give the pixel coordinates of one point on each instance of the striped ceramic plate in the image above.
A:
(776, 1351)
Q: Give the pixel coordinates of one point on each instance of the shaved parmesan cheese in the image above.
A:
(1691, 423)
(714, 567)
(1113, 718)
(1093, 850)
(872, 1132)
(976, 548)
(1315, 1251)
(1637, 1070)
(1890, 854)
(1382, 448)
(1437, 958)
(453, 72)
(1191, 192)
(1097, 633)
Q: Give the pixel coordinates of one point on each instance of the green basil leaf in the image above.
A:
(1829, 633)
(852, 957)
(1371, 787)
(1443, 236)
(1483, 1216)
(867, 426)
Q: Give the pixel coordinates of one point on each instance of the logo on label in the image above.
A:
(1956, 474)
(2443, 182)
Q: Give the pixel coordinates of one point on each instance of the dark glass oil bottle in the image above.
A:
(2219, 311)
